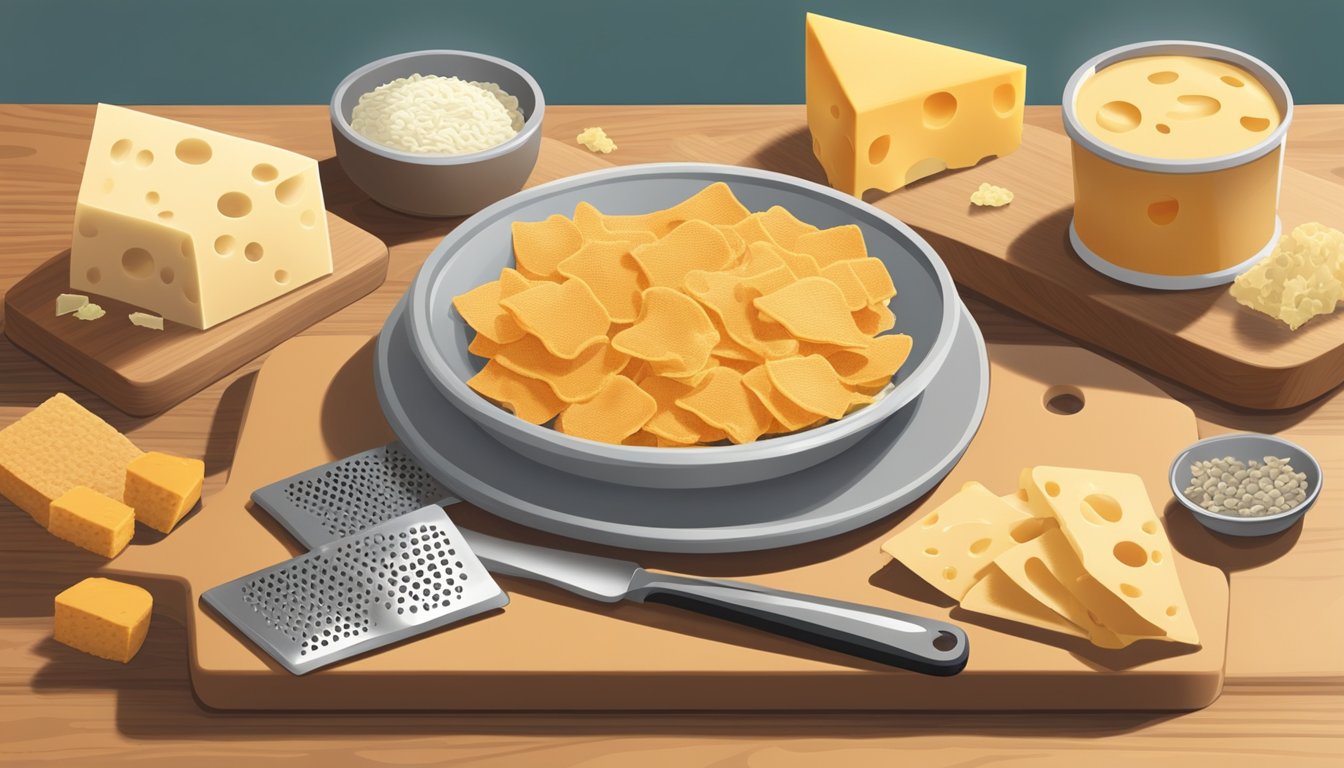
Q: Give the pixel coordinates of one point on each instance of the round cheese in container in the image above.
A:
(1177, 156)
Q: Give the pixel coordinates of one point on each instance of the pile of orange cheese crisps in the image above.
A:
(692, 325)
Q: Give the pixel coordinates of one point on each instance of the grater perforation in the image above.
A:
(350, 495)
(400, 578)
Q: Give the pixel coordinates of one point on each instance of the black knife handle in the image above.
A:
(916, 643)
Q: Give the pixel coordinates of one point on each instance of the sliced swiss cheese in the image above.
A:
(886, 110)
(996, 594)
(950, 546)
(193, 225)
(1109, 520)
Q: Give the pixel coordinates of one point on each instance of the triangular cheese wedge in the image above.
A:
(951, 546)
(1109, 520)
(886, 109)
(995, 594)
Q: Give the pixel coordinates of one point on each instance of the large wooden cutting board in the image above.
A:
(313, 401)
(144, 372)
(1020, 256)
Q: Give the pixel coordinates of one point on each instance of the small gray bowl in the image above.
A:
(438, 185)
(1245, 447)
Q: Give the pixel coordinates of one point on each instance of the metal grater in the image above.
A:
(351, 494)
(400, 578)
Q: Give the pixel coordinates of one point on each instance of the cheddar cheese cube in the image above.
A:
(88, 519)
(162, 488)
(105, 618)
(193, 225)
(886, 110)
(55, 447)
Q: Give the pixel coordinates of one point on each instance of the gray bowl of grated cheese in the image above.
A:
(438, 133)
(1246, 484)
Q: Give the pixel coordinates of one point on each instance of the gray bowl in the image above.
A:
(438, 185)
(926, 307)
(1244, 447)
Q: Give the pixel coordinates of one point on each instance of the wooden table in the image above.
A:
(59, 706)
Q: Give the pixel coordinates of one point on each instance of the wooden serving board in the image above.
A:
(313, 401)
(145, 372)
(1020, 256)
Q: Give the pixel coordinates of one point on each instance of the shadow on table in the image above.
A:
(349, 202)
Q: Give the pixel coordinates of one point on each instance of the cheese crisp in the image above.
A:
(693, 325)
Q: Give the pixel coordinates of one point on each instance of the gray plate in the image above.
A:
(474, 253)
(901, 460)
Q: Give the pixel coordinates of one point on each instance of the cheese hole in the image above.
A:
(1052, 488)
(949, 573)
(1164, 212)
(108, 184)
(144, 158)
(264, 172)
(308, 218)
(1005, 98)
(1254, 124)
(931, 520)
(835, 111)
(1163, 77)
(87, 228)
(1194, 106)
(939, 109)
(152, 198)
(193, 151)
(120, 150)
(1023, 495)
(1157, 556)
(979, 546)
(166, 275)
(1163, 128)
(137, 262)
(253, 251)
(94, 274)
(1063, 400)
(877, 151)
(1172, 610)
(1149, 526)
(1129, 590)
(281, 276)
(1028, 529)
(931, 550)
(1130, 553)
(224, 245)
(289, 190)
(191, 293)
(1098, 508)
(165, 215)
(1119, 116)
(1235, 82)
(235, 205)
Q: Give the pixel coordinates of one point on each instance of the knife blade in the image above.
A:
(917, 643)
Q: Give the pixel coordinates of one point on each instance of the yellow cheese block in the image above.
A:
(163, 488)
(55, 447)
(952, 545)
(194, 225)
(1109, 520)
(886, 110)
(108, 619)
(996, 594)
(88, 519)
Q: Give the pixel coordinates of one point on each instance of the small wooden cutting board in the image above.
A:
(144, 372)
(313, 401)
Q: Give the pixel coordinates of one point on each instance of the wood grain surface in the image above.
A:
(146, 372)
(1283, 703)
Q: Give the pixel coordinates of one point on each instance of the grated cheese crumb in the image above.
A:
(90, 312)
(596, 140)
(989, 195)
(145, 320)
(1302, 278)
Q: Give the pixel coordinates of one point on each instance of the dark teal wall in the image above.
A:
(599, 51)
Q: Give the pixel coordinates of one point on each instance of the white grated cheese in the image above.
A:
(433, 115)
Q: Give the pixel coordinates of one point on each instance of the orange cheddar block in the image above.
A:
(104, 618)
(948, 108)
(162, 488)
(55, 447)
(92, 521)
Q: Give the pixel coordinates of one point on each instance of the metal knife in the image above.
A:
(902, 640)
